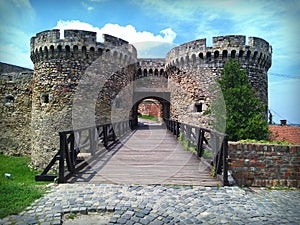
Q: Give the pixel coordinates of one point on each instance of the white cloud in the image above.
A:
(88, 7)
(273, 20)
(147, 44)
(169, 35)
(128, 33)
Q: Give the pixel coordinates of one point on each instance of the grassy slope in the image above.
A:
(20, 191)
(150, 117)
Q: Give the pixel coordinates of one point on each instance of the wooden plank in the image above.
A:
(151, 155)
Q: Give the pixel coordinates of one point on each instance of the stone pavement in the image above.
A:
(142, 204)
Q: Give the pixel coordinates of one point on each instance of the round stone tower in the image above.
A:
(60, 68)
(195, 68)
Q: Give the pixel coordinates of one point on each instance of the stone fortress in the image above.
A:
(77, 77)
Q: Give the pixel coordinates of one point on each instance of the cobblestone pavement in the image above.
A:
(134, 204)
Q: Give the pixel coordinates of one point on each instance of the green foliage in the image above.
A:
(71, 216)
(207, 154)
(21, 190)
(184, 142)
(207, 112)
(213, 172)
(266, 142)
(281, 188)
(149, 117)
(192, 147)
(245, 112)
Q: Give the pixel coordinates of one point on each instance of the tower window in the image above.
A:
(45, 98)
(198, 107)
(9, 99)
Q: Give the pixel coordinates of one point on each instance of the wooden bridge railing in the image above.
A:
(205, 139)
(87, 140)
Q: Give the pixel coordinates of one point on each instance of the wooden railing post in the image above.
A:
(174, 127)
(177, 128)
(200, 149)
(188, 135)
(69, 149)
(219, 156)
(62, 148)
(114, 136)
(73, 153)
(92, 135)
(225, 161)
(105, 136)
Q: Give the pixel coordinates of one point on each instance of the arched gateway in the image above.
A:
(78, 81)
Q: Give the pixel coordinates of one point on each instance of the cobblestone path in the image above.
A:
(146, 204)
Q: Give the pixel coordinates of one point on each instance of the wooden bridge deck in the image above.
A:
(150, 155)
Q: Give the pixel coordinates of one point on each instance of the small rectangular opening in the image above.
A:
(198, 107)
(45, 98)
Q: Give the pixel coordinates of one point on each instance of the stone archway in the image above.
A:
(151, 108)
(162, 102)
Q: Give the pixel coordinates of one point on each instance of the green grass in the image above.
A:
(21, 190)
(266, 142)
(150, 117)
(192, 147)
(281, 188)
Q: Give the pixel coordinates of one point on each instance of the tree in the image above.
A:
(245, 113)
(270, 117)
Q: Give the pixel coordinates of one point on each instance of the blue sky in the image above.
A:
(171, 22)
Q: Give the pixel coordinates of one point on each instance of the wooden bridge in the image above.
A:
(149, 154)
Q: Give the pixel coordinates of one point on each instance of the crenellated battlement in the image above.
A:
(150, 67)
(258, 52)
(49, 45)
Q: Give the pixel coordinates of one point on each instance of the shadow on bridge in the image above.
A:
(144, 152)
(148, 155)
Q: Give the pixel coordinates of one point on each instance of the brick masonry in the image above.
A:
(262, 165)
(150, 108)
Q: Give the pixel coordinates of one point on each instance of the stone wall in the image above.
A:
(78, 82)
(262, 165)
(150, 74)
(191, 94)
(75, 83)
(194, 68)
(15, 110)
